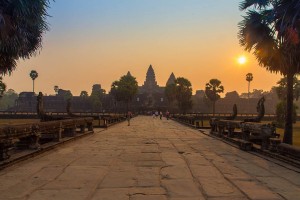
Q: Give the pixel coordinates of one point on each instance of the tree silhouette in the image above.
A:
(2, 87)
(33, 75)
(271, 30)
(22, 24)
(124, 89)
(183, 94)
(212, 90)
(84, 94)
(249, 78)
(56, 88)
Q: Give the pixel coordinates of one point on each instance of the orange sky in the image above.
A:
(99, 41)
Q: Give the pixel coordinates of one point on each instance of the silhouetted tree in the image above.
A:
(271, 30)
(249, 78)
(8, 99)
(124, 89)
(232, 95)
(33, 75)
(183, 94)
(66, 94)
(212, 90)
(56, 88)
(84, 94)
(97, 97)
(22, 25)
(2, 87)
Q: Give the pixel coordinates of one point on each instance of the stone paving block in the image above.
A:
(279, 185)
(181, 188)
(231, 172)
(187, 198)
(256, 191)
(205, 171)
(150, 163)
(119, 180)
(78, 177)
(219, 187)
(60, 194)
(254, 170)
(111, 194)
(176, 172)
(149, 157)
(173, 158)
(148, 197)
(196, 159)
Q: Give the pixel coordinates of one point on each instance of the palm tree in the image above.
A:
(212, 90)
(249, 78)
(22, 25)
(33, 75)
(271, 30)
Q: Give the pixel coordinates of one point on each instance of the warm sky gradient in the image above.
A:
(97, 41)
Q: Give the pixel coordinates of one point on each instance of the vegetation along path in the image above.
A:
(151, 159)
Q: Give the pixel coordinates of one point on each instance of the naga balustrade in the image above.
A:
(30, 136)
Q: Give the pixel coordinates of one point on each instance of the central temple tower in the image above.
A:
(150, 84)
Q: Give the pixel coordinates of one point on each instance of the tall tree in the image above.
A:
(183, 94)
(22, 24)
(97, 97)
(170, 92)
(33, 75)
(2, 87)
(212, 90)
(124, 89)
(249, 78)
(271, 30)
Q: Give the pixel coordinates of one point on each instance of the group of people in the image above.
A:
(155, 114)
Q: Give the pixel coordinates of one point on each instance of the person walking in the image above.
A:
(160, 115)
(167, 115)
(129, 116)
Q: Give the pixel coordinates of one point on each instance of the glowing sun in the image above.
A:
(242, 60)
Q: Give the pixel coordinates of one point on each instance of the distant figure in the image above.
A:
(156, 114)
(160, 115)
(167, 115)
(153, 114)
(129, 116)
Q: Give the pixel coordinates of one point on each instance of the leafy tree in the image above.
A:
(271, 30)
(66, 94)
(212, 90)
(124, 89)
(84, 94)
(22, 25)
(97, 97)
(2, 87)
(183, 94)
(232, 95)
(8, 100)
(56, 88)
(170, 92)
(33, 75)
(281, 89)
(249, 78)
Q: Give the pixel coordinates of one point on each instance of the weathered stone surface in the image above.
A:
(151, 159)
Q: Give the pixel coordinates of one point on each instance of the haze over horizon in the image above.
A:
(98, 41)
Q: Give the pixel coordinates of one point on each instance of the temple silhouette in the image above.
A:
(150, 97)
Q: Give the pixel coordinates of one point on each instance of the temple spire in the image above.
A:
(150, 77)
(171, 79)
(128, 73)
